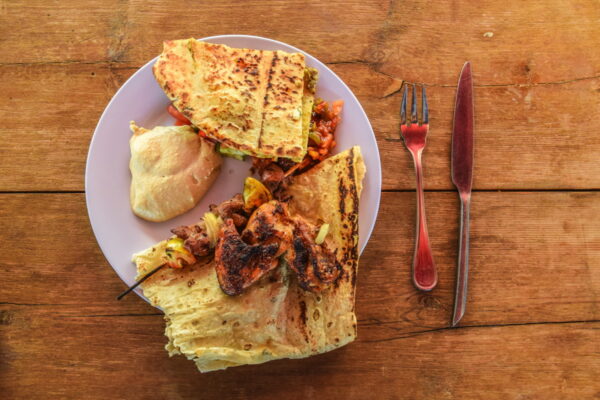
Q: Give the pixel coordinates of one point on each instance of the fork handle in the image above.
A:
(424, 273)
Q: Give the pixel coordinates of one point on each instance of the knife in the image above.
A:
(462, 176)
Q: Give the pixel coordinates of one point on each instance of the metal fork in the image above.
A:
(414, 134)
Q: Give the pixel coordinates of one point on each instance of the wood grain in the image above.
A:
(526, 137)
(63, 334)
(531, 327)
(529, 95)
(119, 357)
(521, 244)
(404, 39)
(133, 31)
(48, 114)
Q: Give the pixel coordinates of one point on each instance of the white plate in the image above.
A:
(120, 233)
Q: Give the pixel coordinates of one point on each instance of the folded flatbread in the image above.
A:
(249, 100)
(274, 318)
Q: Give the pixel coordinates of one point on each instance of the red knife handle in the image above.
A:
(424, 272)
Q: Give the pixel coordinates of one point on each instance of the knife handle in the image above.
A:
(462, 271)
(423, 271)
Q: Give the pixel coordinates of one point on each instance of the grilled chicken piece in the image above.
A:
(239, 264)
(315, 265)
(234, 209)
(195, 238)
(273, 174)
(241, 260)
(268, 224)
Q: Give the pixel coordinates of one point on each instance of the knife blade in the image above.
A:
(462, 177)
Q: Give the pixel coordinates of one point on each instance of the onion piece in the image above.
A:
(323, 231)
(213, 225)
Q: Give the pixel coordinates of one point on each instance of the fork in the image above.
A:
(424, 274)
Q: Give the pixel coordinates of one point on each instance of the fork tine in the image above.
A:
(413, 108)
(425, 109)
(403, 107)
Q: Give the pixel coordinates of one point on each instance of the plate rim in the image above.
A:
(320, 64)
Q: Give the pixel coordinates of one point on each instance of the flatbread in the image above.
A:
(274, 318)
(249, 100)
(171, 170)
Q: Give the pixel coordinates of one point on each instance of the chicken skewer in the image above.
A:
(270, 237)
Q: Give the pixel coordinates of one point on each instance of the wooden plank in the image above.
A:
(531, 260)
(410, 40)
(528, 42)
(61, 31)
(133, 31)
(49, 114)
(123, 357)
(527, 137)
(531, 327)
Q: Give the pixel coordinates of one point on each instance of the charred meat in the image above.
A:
(272, 173)
(249, 248)
(315, 265)
(195, 238)
(232, 209)
(239, 264)
(243, 259)
(269, 223)
(270, 234)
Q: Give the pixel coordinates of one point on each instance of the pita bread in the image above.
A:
(171, 170)
(274, 318)
(249, 100)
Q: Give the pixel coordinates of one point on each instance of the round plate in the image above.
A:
(107, 178)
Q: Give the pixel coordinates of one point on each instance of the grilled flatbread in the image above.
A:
(274, 318)
(249, 100)
(171, 170)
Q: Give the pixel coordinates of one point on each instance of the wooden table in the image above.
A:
(531, 330)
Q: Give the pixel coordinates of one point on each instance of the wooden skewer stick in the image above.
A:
(148, 275)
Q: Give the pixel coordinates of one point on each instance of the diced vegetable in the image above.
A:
(233, 153)
(337, 107)
(213, 224)
(179, 117)
(323, 231)
(177, 254)
(315, 137)
(325, 120)
(255, 193)
(311, 76)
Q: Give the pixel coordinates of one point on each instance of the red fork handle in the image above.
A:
(424, 273)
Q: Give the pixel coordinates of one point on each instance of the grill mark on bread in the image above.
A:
(352, 217)
(266, 98)
(245, 72)
(302, 320)
(347, 191)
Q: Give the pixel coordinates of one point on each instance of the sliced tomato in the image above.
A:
(326, 143)
(337, 107)
(178, 116)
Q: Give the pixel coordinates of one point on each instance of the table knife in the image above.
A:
(462, 176)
